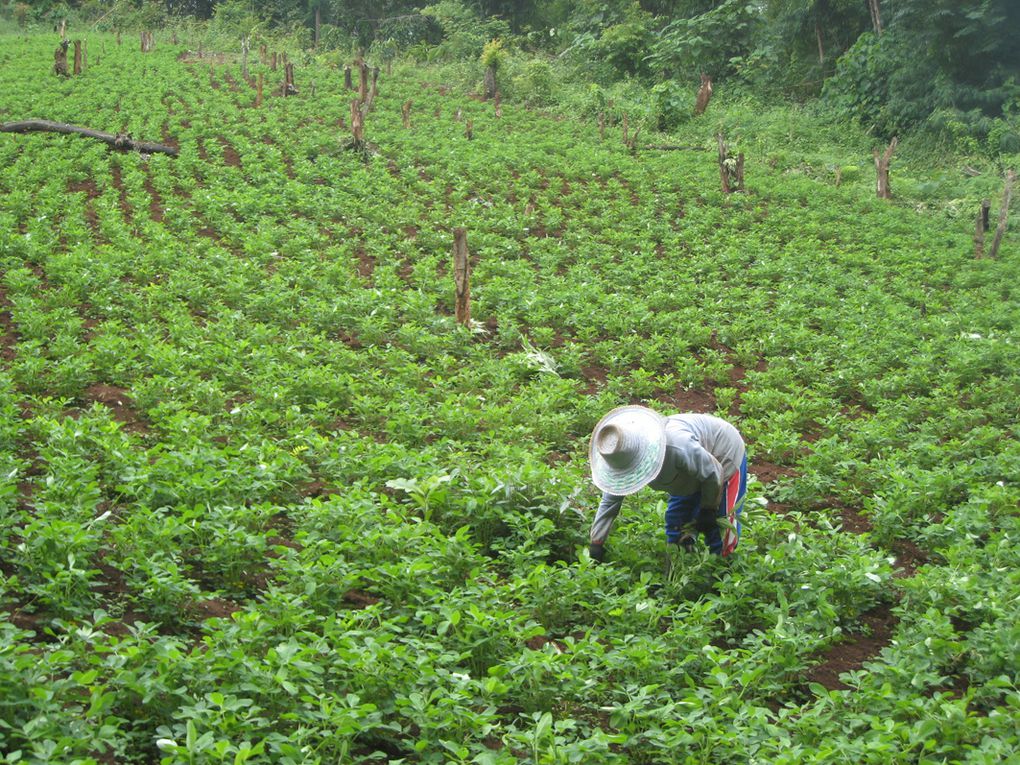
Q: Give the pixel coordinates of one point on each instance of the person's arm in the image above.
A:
(709, 473)
(605, 516)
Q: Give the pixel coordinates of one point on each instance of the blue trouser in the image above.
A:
(685, 519)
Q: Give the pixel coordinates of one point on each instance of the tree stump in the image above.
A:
(272, 61)
(882, 169)
(498, 107)
(406, 112)
(77, 57)
(357, 125)
(288, 80)
(704, 95)
(348, 82)
(362, 81)
(1007, 197)
(462, 276)
(60, 60)
(469, 130)
(731, 169)
(490, 82)
(981, 227)
(258, 92)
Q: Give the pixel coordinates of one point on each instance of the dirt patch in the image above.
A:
(8, 334)
(683, 399)
(120, 405)
(359, 599)
(218, 608)
(596, 377)
(230, 155)
(853, 521)
(768, 472)
(366, 263)
(156, 209)
(118, 183)
(850, 656)
(539, 642)
(908, 558)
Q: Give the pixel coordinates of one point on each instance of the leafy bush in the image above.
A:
(536, 83)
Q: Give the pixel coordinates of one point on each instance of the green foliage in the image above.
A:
(465, 32)
(494, 55)
(263, 500)
(713, 42)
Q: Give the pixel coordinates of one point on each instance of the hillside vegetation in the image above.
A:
(262, 498)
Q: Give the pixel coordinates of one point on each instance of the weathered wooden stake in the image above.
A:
(362, 81)
(406, 111)
(499, 104)
(77, 57)
(263, 53)
(882, 170)
(1007, 197)
(373, 90)
(462, 275)
(258, 92)
(490, 82)
(272, 61)
(981, 227)
(244, 57)
(63, 29)
(348, 83)
(704, 95)
(357, 124)
(469, 130)
(60, 60)
(731, 169)
(288, 80)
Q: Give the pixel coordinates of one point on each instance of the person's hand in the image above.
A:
(596, 552)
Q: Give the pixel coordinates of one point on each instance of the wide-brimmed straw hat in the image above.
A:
(627, 450)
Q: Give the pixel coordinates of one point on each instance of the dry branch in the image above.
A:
(882, 170)
(704, 94)
(120, 141)
(1007, 197)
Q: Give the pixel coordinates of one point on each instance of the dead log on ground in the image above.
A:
(120, 141)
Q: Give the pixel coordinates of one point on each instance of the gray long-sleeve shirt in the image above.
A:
(702, 453)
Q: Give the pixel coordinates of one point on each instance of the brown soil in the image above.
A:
(689, 400)
(120, 404)
(156, 209)
(219, 608)
(768, 472)
(230, 155)
(8, 335)
(359, 599)
(366, 263)
(908, 558)
(851, 656)
(118, 184)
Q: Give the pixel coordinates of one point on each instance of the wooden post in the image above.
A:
(288, 80)
(362, 81)
(469, 130)
(462, 275)
(63, 29)
(373, 90)
(263, 53)
(882, 170)
(272, 61)
(244, 57)
(357, 124)
(1007, 196)
(406, 110)
(981, 227)
(704, 95)
(60, 60)
(318, 25)
(731, 169)
(499, 105)
(348, 83)
(258, 92)
(490, 82)
(77, 57)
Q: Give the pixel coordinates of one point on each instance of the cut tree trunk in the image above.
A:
(318, 25)
(731, 169)
(704, 95)
(981, 227)
(357, 125)
(362, 81)
(462, 275)
(258, 92)
(348, 82)
(1007, 197)
(77, 57)
(406, 111)
(882, 170)
(876, 17)
(60, 60)
(120, 141)
(490, 82)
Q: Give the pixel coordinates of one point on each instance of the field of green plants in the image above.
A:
(262, 499)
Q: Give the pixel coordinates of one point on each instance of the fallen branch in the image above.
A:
(670, 147)
(120, 141)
